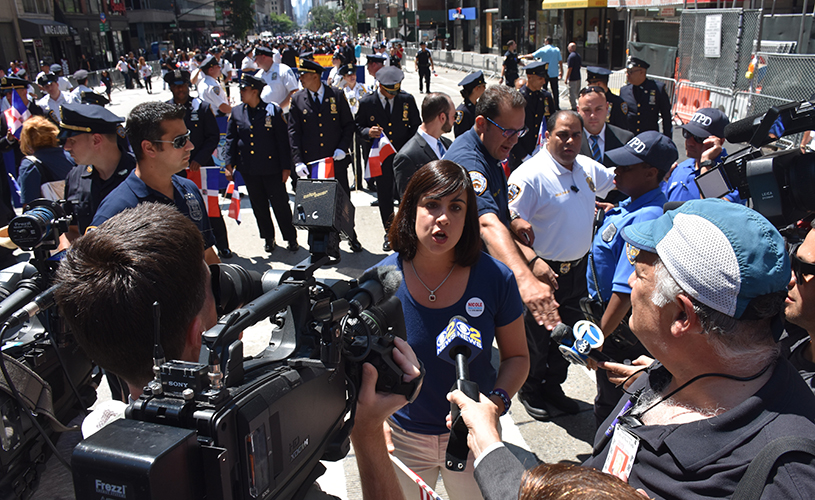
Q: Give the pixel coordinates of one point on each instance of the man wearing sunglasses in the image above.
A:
(160, 141)
(704, 137)
(645, 99)
(799, 308)
(552, 200)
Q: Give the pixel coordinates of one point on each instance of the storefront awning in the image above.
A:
(38, 28)
(572, 4)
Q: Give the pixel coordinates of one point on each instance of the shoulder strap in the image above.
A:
(755, 478)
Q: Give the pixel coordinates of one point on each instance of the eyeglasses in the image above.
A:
(508, 132)
(179, 142)
(799, 267)
(688, 135)
(592, 89)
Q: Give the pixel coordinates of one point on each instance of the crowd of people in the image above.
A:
(499, 226)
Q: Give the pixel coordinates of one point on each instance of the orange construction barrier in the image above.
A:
(688, 100)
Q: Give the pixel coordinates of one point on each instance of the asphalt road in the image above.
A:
(563, 438)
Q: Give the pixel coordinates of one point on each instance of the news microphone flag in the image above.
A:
(16, 115)
(206, 178)
(380, 151)
(322, 169)
(235, 201)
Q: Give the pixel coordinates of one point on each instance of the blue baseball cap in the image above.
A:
(650, 147)
(722, 254)
(706, 122)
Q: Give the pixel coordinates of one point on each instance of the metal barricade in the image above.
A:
(691, 96)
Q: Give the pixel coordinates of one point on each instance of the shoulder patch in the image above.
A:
(217, 90)
(624, 107)
(459, 117)
(479, 182)
(120, 131)
(513, 190)
(631, 253)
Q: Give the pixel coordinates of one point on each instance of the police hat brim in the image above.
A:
(623, 157)
(696, 129)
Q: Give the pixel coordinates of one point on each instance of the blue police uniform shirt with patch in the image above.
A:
(186, 198)
(612, 257)
(486, 174)
(681, 185)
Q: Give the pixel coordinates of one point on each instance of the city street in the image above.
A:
(564, 438)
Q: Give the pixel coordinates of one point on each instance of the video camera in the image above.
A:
(235, 427)
(47, 380)
(780, 184)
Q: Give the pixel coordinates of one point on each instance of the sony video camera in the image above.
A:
(236, 427)
(779, 184)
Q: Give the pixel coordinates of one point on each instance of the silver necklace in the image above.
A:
(432, 296)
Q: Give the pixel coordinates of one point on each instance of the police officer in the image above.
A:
(393, 112)
(94, 137)
(539, 106)
(509, 69)
(321, 126)
(617, 108)
(81, 77)
(472, 86)
(257, 144)
(646, 99)
(210, 90)
(280, 78)
(640, 166)
(205, 136)
(373, 63)
(53, 97)
(424, 64)
(94, 98)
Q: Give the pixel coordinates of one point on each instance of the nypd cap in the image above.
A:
(472, 80)
(177, 77)
(11, 82)
(538, 68)
(597, 73)
(93, 98)
(309, 66)
(649, 147)
(636, 62)
(76, 118)
(46, 78)
(390, 78)
(252, 81)
(209, 62)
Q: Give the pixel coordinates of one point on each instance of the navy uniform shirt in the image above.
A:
(646, 103)
(511, 61)
(257, 141)
(486, 174)
(539, 106)
(681, 185)
(186, 198)
(465, 117)
(86, 190)
(316, 131)
(204, 132)
(612, 257)
(617, 110)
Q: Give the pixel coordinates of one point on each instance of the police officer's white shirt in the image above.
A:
(226, 68)
(353, 94)
(209, 90)
(540, 191)
(47, 102)
(280, 81)
(64, 84)
(248, 64)
(76, 94)
(601, 139)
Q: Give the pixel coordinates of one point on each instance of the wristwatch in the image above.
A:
(707, 164)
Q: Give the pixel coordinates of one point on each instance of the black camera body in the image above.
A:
(230, 427)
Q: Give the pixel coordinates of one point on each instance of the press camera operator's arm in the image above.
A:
(376, 472)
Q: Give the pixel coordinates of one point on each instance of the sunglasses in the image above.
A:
(179, 142)
(508, 132)
(799, 267)
(592, 89)
(688, 135)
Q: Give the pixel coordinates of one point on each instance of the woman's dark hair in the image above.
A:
(573, 482)
(438, 178)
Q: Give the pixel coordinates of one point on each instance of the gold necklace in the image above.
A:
(432, 296)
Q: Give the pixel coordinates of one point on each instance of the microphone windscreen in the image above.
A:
(390, 277)
(742, 130)
(562, 334)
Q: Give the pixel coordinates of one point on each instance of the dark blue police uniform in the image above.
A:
(86, 190)
(646, 103)
(186, 198)
(486, 174)
(539, 106)
(465, 117)
(617, 110)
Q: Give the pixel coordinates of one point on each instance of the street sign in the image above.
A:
(102, 17)
(102, 27)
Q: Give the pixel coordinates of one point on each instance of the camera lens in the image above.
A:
(30, 229)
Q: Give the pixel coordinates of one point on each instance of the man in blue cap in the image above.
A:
(707, 296)
(647, 100)
(704, 137)
(539, 107)
(640, 166)
(373, 63)
(617, 108)
(472, 87)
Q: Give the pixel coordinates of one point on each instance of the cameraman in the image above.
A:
(152, 252)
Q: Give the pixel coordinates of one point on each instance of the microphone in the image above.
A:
(40, 303)
(792, 118)
(580, 343)
(575, 189)
(375, 284)
(22, 283)
(459, 344)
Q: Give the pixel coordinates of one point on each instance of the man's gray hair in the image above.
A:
(740, 342)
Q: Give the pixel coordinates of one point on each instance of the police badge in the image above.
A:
(624, 107)
(274, 76)
(194, 207)
(459, 117)
(333, 105)
(565, 267)
(405, 109)
(268, 121)
(653, 99)
(353, 101)
(590, 182)
(632, 253)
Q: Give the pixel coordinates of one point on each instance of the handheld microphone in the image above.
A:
(792, 118)
(374, 285)
(459, 344)
(580, 343)
(40, 303)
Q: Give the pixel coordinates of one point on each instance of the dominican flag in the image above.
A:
(235, 204)
(322, 169)
(207, 181)
(541, 137)
(505, 167)
(17, 114)
(380, 151)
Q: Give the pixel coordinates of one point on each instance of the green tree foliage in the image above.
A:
(322, 19)
(349, 16)
(242, 17)
(281, 23)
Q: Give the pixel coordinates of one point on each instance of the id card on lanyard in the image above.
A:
(621, 453)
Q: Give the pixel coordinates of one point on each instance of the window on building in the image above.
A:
(70, 6)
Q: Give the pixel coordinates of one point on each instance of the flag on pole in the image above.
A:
(541, 140)
(380, 151)
(206, 178)
(322, 169)
(235, 204)
(16, 114)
